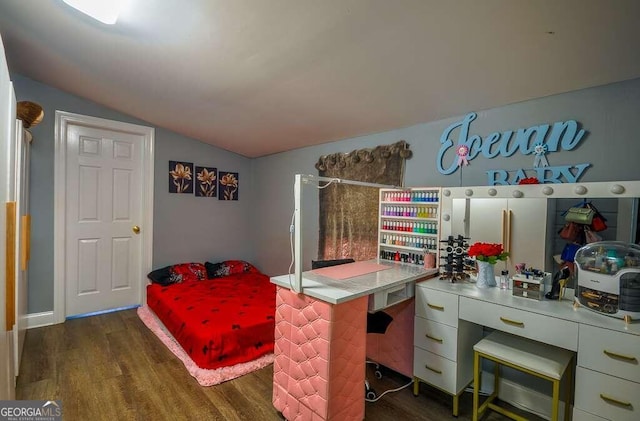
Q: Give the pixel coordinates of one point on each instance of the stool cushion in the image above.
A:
(545, 359)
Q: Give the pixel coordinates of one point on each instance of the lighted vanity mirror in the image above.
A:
(526, 219)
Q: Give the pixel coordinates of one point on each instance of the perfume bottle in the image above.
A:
(504, 279)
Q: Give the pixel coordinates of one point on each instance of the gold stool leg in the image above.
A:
(416, 386)
(555, 400)
(456, 404)
(476, 384)
(496, 378)
(569, 391)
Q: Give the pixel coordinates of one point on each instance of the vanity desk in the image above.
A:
(607, 382)
(321, 336)
(525, 220)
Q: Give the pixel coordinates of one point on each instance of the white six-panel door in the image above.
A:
(103, 205)
(105, 216)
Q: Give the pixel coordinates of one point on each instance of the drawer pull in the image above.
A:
(512, 322)
(435, 307)
(433, 338)
(435, 370)
(614, 401)
(620, 356)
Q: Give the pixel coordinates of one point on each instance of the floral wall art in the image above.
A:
(206, 182)
(180, 177)
(228, 185)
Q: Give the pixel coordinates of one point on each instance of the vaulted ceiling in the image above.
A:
(258, 77)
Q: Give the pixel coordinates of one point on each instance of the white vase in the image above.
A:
(486, 276)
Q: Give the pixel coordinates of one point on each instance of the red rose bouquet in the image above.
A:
(488, 252)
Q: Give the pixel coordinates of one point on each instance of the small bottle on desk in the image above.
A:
(504, 279)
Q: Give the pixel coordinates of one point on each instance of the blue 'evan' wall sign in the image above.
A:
(535, 140)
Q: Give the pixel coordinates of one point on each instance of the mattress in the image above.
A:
(221, 321)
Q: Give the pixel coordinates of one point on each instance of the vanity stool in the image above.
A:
(541, 360)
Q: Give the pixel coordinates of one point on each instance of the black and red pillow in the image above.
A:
(229, 267)
(175, 274)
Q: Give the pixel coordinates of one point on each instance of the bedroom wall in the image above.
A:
(186, 228)
(190, 228)
(608, 113)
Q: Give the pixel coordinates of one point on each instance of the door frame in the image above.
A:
(63, 120)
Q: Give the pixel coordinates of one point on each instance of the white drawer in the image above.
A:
(391, 296)
(607, 396)
(580, 415)
(610, 352)
(534, 326)
(436, 337)
(437, 306)
(435, 370)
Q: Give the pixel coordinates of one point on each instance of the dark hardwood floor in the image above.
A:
(111, 367)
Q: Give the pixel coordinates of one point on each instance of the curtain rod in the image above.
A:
(312, 178)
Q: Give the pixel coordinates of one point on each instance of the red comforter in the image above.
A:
(219, 322)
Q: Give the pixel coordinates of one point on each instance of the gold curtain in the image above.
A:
(348, 213)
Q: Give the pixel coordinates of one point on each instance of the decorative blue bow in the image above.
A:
(540, 149)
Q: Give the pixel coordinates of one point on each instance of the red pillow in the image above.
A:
(187, 272)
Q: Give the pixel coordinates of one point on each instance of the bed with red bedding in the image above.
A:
(219, 322)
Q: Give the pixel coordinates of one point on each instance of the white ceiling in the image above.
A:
(263, 76)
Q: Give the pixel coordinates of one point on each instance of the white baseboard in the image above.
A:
(40, 319)
(522, 397)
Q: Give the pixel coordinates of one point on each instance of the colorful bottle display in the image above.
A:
(415, 258)
(428, 243)
(409, 221)
(411, 211)
(410, 196)
(410, 226)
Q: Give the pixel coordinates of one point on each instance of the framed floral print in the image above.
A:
(206, 181)
(180, 180)
(228, 185)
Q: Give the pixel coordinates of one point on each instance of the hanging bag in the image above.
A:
(569, 252)
(599, 222)
(590, 236)
(570, 231)
(579, 215)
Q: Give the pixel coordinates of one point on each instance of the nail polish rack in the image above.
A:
(408, 224)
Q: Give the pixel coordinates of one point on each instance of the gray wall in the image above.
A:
(186, 228)
(256, 228)
(608, 113)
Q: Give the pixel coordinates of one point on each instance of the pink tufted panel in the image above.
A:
(394, 348)
(318, 372)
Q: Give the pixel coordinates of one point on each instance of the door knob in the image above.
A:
(136, 229)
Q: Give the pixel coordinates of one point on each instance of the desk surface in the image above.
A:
(561, 309)
(337, 291)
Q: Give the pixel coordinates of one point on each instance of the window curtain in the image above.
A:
(349, 214)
